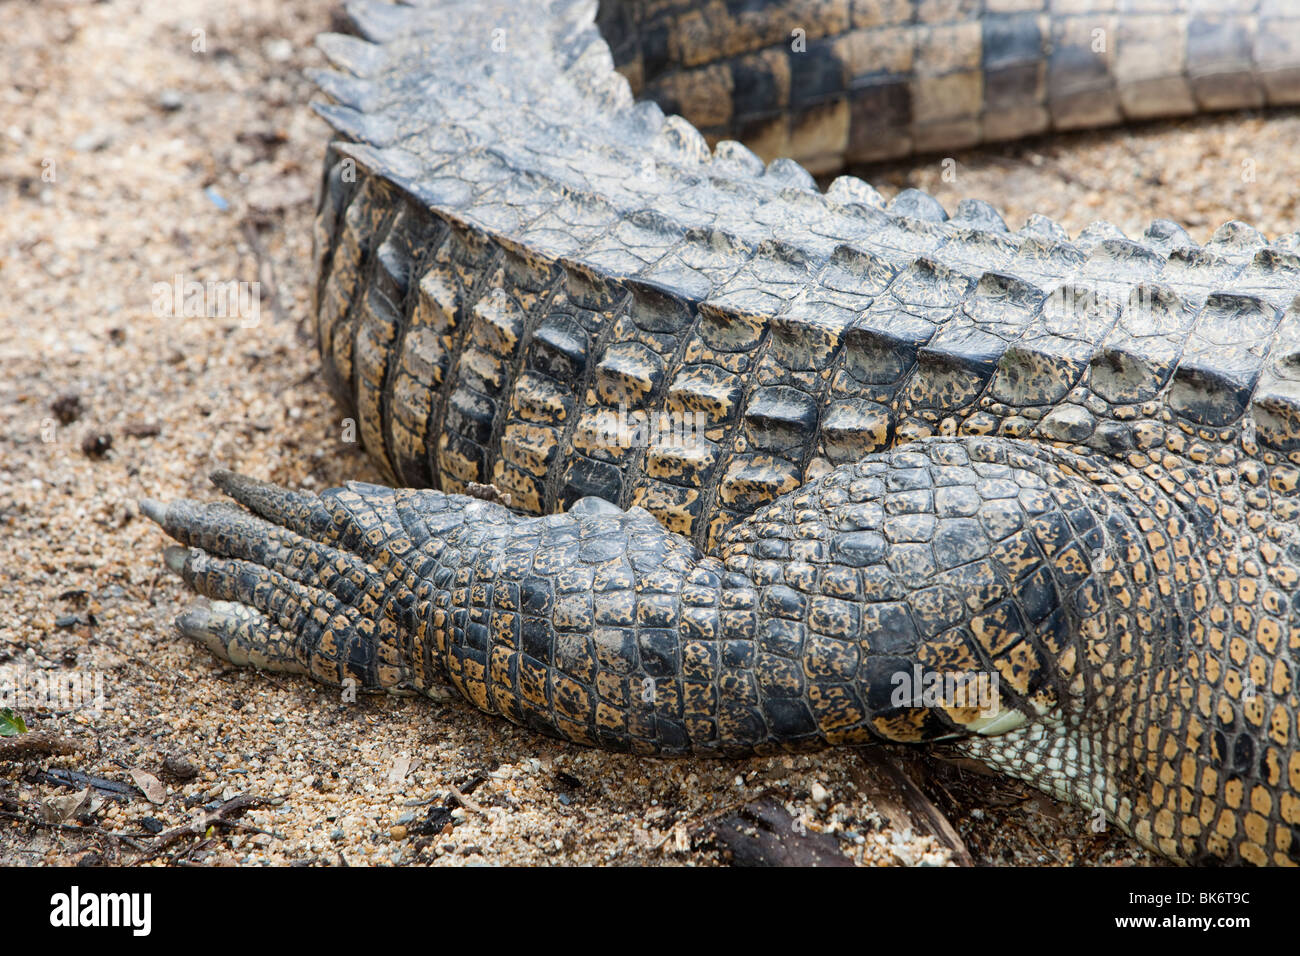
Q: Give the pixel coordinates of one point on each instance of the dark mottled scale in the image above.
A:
(594, 302)
(1196, 272)
(733, 320)
(955, 365)
(381, 322)
(881, 346)
(801, 358)
(1114, 266)
(646, 374)
(531, 437)
(463, 416)
(1138, 355)
(421, 356)
(1276, 402)
(628, 375)
(337, 186)
(677, 457)
(363, 222)
(1222, 359)
(1051, 357)
(1271, 274)
(977, 250)
(779, 419)
(504, 323)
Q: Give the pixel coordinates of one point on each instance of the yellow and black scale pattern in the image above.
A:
(926, 442)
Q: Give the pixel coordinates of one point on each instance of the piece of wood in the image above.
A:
(762, 833)
(84, 828)
(40, 743)
(220, 816)
(900, 801)
(464, 800)
(76, 780)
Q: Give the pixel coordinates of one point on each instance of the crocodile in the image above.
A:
(689, 455)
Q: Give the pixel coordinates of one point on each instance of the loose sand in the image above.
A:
(165, 161)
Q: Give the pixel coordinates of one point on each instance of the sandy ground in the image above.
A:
(133, 150)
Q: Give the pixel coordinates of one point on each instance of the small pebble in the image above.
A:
(67, 408)
(216, 199)
(91, 142)
(180, 767)
(278, 50)
(142, 429)
(96, 444)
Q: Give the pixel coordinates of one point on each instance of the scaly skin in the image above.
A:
(926, 442)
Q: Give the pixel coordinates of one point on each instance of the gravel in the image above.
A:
(129, 156)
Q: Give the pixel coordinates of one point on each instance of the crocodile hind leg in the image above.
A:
(855, 609)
